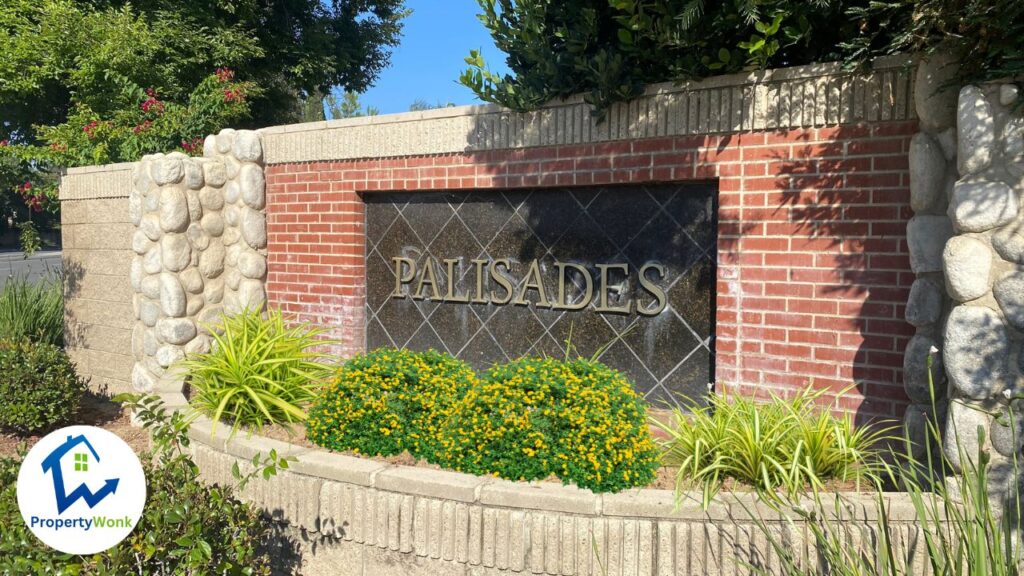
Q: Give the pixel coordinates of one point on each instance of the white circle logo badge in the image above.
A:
(81, 490)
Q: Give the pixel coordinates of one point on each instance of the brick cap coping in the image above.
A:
(93, 182)
(642, 503)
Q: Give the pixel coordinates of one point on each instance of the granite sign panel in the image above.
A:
(623, 273)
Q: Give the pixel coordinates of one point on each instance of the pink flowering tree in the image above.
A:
(145, 124)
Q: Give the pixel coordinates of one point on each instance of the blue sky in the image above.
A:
(437, 36)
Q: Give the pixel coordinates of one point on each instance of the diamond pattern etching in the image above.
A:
(666, 356)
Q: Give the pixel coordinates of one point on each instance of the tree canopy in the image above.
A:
(609, 49)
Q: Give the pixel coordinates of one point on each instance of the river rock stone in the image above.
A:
(173, 210)
(915, 369)
(149, 312)
(167, 170)
(225, 139)
(231, 255)
(233, 278)
(168, 355)
(142, 181)
(1008, 242)
(980, 205)
(194, 304)
(151, 262)
(251, 294)
(967, 263)
(138, 332)
(213, 224)
(962, 436)
(231, 236)
(231, 304)
(135, 209)
(247, 146)
(915, 428)
(213, 292)
(254, 228)
(201, 344)
(211, 261)
(1009, 293)
(934, 98)
(924, 306)
(976, 139)
(150, 287)
(142, 379)
(926, 238)
(1008, 94)
(1008, 432)
(252, 265)
(214, 174)
(231, 167)
(253, 186)
(947, 140)
(150, 343)
(172, 295)
(232, 192)
(210, 146)
(150, 226)
(191, 280)
(230, 215)
(927, 172)
(210, 317)
(176, 330)
(140, 243)
(136, 274)
(199, 239)
(175, 252)
(976, 352)
(211, 198)
(195, 208)
(194, 178)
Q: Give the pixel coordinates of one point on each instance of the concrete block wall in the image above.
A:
(97, 256)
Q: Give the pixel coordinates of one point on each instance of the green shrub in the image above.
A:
(38, 386)
(33, 310)
(259, 371)
(388, 401)
(531, 418)
(787, 445)
(186, 527)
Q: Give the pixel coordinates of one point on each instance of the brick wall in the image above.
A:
(813, 272)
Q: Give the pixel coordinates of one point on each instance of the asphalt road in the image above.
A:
(14, 263)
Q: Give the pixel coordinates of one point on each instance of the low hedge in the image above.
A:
(39, 389)
(388, 401)
(526, 420)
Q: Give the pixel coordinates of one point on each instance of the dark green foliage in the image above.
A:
(33, 310)
(608, 49)
(388, 401)
(984, 34)
(533, 418)
(38, 386)
(187, 527)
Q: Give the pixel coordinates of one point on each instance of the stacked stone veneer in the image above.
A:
(200, 250)
(967, 248)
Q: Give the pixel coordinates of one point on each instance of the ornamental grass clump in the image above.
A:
(533, 418)
(33, 310)
(259, 371)
(389, 401)
(782, 445)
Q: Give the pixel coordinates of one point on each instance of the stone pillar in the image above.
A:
(983, 269)
(200, 245)
(932, 174)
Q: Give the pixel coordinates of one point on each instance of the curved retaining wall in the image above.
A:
(352, 516)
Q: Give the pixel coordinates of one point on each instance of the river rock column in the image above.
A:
(932, 174)
(200, 245)
(983, 269)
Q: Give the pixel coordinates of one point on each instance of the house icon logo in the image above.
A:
(81, 490)
(51, 465)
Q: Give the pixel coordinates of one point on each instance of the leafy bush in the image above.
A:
(186, 527)
(38, 386)
(388, 401)
(783, 445)
(33, 310)
(578, 420)
(259, 371)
